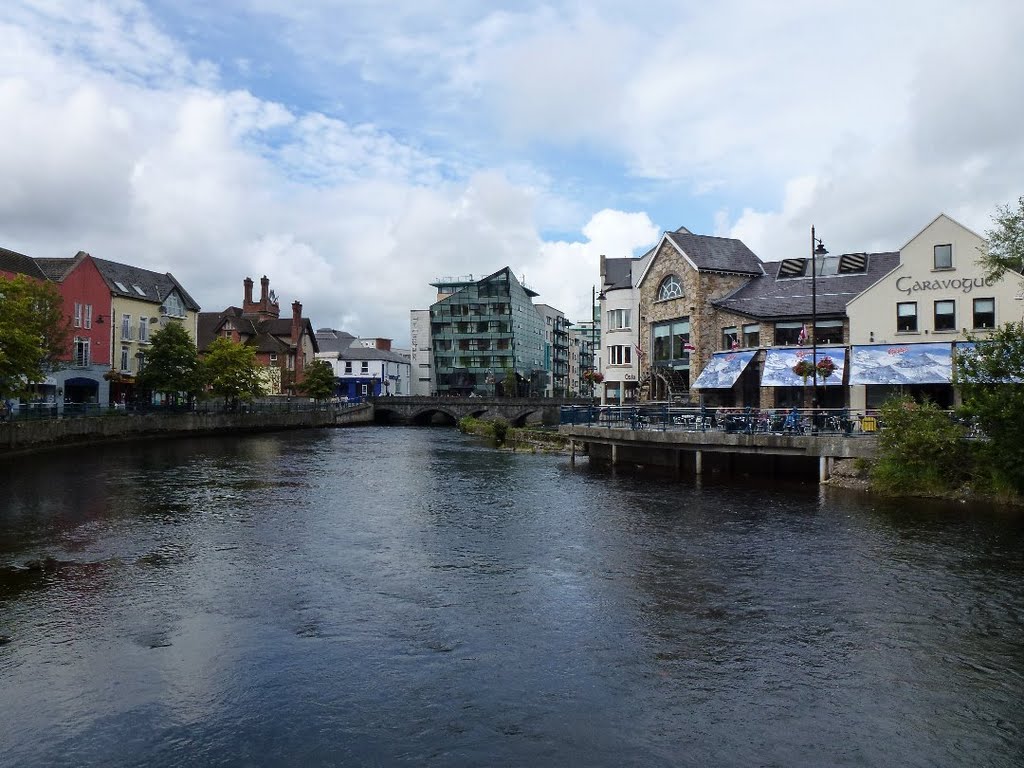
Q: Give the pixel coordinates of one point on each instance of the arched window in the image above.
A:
(670, 288)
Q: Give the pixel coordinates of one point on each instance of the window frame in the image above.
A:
(915, 315)
(670, 287)
(950, 324)
(975, 313)
(948, 250)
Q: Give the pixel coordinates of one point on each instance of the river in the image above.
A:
(400, 596)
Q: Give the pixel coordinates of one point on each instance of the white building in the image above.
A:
(421, 354)
(904, 329)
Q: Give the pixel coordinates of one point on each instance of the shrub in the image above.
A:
(921, 450)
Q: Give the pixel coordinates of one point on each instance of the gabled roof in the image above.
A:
(270, 334)
(371, 353)
(716, 254)
(141, 284)
(20, 264)
(947, 218)
(770, 297)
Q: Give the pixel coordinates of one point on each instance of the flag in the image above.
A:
(639, 352)
(802, 338)
(735, 344)
(689, 347)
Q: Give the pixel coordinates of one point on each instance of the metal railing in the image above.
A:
(44, 411)
(663, 417)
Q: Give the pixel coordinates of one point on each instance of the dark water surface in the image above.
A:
(392, 596)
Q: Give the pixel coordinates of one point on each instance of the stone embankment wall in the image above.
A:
(29, 435)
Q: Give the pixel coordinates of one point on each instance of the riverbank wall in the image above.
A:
(19, 436)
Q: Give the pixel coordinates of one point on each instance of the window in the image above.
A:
(77, 322)
(670, 288)
(273, 358)
(365, 367)
(81, 352)
(126, 327)
(144, 329)
(670, 341)
(943, 256)
(618, 319)
(620, 354)
(138, 290)
(88, 316)
(121, 286)
(365, 390)
(984, 313)
(173, 306)
(788, 333)
(906, 317)
(945, 315)
(752, 335)
(125, 360)
(291, 361)
(829, 332)
(348, 367)
(730, 338)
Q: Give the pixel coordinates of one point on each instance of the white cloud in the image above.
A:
(411, 141)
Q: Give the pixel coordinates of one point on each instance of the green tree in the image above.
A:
(231, 371)
(920, 451)
(33, 333)
(991, 382)
(172, 364)
(319, 381)
(1004, 251)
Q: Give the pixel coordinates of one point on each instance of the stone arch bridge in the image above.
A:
(517, 411)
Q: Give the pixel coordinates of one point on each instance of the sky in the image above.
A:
(354, 151)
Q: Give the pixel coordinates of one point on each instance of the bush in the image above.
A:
(922, 451)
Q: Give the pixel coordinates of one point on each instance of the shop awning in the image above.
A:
(723, 369)
(901, 364)
(779, 364)
(968, 348)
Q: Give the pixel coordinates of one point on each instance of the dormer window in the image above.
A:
(670, 288)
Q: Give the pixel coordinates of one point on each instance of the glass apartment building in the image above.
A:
(484, 332)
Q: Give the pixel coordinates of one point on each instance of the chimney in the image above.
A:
(602, 267)
(264, 290)
(248, 292)
(296, 322)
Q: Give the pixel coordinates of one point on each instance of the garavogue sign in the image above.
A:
(909, 285)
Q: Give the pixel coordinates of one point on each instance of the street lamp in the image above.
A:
(817, 249)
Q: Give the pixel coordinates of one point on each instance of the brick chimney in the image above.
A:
(296, 323)
(247, 300)
(264, 291)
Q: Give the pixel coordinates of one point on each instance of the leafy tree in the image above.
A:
(920, 451)
(991, 381)
(319, 381)
(33, 333)
(231, 371)
(1004, 251)
(172, 363)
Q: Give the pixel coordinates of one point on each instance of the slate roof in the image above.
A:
(371, 353)
(331, 340)
(263, 334)
(617, 274)
(55, 269)
(155, 286)
(20, 264)
(716, 254)
(768, 297)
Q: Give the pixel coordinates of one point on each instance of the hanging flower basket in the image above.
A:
(595, 377)
(826, 367)
(804, 369)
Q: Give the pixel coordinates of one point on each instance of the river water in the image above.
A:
(400, 596)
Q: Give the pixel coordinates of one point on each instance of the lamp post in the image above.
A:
(817, 249)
